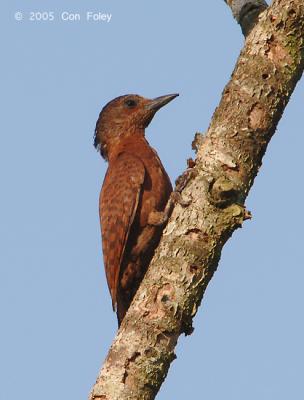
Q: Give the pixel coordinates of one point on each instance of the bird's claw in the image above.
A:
(177, 198)
(157, 218)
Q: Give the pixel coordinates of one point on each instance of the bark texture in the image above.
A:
(228, 159)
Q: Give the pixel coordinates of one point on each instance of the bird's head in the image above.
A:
(123, 116)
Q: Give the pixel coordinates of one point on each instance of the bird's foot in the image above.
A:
(190, 173)
(158, 218)
(177, 198)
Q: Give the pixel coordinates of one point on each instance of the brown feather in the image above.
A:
(118, 204)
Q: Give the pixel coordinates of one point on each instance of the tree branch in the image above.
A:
(246, 12)
(228, 159)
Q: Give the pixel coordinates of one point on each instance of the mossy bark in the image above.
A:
(228, 159)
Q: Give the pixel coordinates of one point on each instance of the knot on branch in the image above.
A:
(236, 213)
(224, 192)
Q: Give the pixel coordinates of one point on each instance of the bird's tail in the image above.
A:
(121, 311)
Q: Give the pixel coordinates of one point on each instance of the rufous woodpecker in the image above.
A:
(134, 194)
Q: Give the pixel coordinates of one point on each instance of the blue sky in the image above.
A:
(57, 321)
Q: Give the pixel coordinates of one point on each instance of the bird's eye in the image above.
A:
(130, 103)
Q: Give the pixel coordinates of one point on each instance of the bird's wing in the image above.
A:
(118, 203)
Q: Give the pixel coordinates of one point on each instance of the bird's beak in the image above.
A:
(161, 101)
